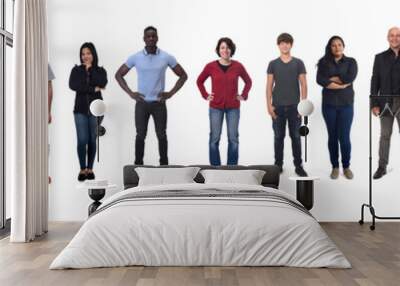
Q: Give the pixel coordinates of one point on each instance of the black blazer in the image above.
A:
(381, 78)
(83, 83)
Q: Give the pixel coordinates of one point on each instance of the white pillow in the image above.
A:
(166, 176)
(248, 177)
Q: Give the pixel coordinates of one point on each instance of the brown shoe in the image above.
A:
(348, 173)
(335, 173)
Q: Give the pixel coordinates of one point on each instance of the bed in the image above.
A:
(201, 224)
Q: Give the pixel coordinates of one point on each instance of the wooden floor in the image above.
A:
(375, 257)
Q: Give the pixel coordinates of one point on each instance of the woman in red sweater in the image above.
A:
(224, 99)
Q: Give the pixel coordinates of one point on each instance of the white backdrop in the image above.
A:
(189, 30)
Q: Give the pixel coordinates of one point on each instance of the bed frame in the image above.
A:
(270, 179)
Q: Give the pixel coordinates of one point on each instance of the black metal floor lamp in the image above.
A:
(370, 202)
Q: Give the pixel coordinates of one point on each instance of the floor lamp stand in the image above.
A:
(304, 132)
(98, 138)
(370, 203)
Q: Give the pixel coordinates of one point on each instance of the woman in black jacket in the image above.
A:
(87, 80)
(336, 74)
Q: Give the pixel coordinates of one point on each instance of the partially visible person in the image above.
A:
(224, 99)
(88, 80)
(386, 81)
(50, 78)
(286, 84)
(336, 74)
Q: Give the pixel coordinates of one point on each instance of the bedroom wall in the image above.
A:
(189, 30)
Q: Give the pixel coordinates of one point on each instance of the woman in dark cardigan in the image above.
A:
(87, 80)
(336, 74)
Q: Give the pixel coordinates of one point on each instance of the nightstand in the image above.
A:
(305, 190)
(96, 193)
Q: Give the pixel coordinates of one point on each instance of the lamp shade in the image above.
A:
(98, 107)
(305, 107)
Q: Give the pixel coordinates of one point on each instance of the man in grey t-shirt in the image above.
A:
(286, 90)
(286, 83)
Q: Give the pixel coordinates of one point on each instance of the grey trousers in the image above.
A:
(387, 120)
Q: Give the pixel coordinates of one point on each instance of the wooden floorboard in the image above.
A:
(374, 255)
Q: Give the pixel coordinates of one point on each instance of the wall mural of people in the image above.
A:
(336, 74)
(224, 99)
(151, 64)
(87, 80)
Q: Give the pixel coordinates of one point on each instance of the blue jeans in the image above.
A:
(86, 125)
(287, 114)
(338, 121)
(232, 123)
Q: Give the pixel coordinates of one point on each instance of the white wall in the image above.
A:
(189, 30)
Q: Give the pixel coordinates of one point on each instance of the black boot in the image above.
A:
(90, 176)
(81, 177)
(380, 172)
(280, 168)
(300, 171)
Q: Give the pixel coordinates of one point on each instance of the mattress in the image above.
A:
(201, 225)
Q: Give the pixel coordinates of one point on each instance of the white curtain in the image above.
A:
(27, 117)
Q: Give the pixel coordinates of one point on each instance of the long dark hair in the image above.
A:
(92, 49)
(328, 57)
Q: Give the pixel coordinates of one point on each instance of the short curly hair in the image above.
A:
(231, 45)
(149, 28)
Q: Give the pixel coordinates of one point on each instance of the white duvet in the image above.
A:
(200, 231)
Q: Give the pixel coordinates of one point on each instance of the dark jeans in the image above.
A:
(143, 111)
(287, 114)
(86, 133)
(232, 123)
(338, 121)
